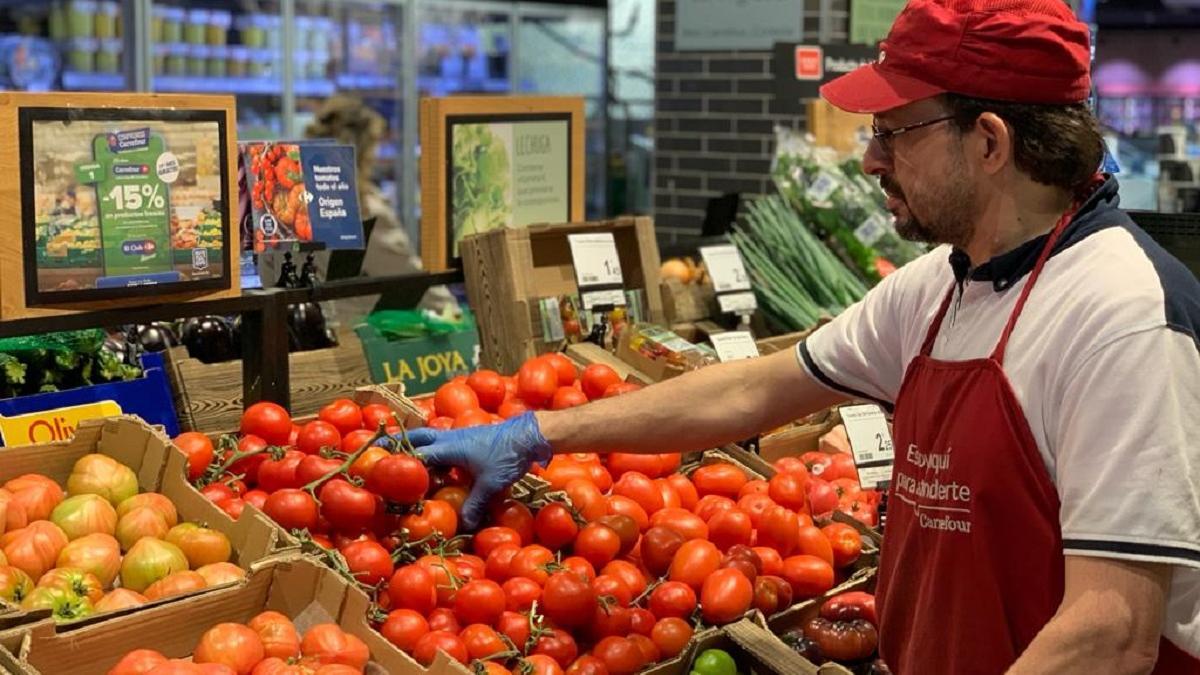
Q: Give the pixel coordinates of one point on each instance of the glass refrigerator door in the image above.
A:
(463, 48)
(225, 47)
(561, 51)
(73, 45)
(353, 49)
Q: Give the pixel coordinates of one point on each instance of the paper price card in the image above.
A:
(726, 268)
(596, 259)
(871, 443)
(734, 345)
(737, 303)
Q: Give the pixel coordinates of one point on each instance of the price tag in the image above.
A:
(871, 443)
(871, 229)
(596, 259)
(726, 268)
(737, 303)
(610, 298)
(734, 345)
(822, 187)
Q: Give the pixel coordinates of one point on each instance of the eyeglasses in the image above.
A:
(886, 135)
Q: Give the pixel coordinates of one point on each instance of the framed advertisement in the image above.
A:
(115, 200)
(497, 162)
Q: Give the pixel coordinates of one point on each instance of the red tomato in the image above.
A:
(442, 618)
(694, 561)
(413, 587)
(498, 566)
(563, 367)
(343, 414)
(809, 576)
(620, 463)
(620, 656)
(587, 499)
(292, 509)
(598, 544)
(568, 601)
(620, 388)
(404, 627)
(481, 641)
(232, 645)
(772, 594)
(530, 563)
(772, 561)
(709, 505)
(374, 414)
(316, 435)
(730, 527)
(814, 542)
(369, 562)
(753, 487)
(688, 497)
(554, 526)
(520, 594)
(199, 452)
(563, 470)
(641, 489)
(275, 475)
(658, 547)
(512, 408)
(347, 506)
(597, 378)
(515, 516)
(472, 418)
(515, 627)
(441, 423)
(670, 496)
(432, 642)
(790, 490)
(721, 479)
(725, 596)
(628, 573)
(355, 440)
(315, 468)
(582, 568)
(138, 662)
(689, 525)
(425, 404)
(479, 601)
(840, 466)
(863, 512)
(399, 478)
(557, 645)
(608, 586)
(567, 397)
(850, 606)
(646, 646)
(489, 389)
(822, 497)
(537, 381)
(269, 421)
(217, 493)
(624, 506)
(845, 541)
(487, 539)
(453, 399)
(671, 635)
(815, 463)
(756, 505)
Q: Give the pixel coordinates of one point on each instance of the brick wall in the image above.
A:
(714, 116)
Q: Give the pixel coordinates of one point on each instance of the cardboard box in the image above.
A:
(508, 271)
(587, 353)
(161, 468)
(684, 303)
(208, 396)
(656, 369)
(294, 585)
(796, 616)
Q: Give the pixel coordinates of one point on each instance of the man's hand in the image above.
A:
(497, 456)
(1110, 620)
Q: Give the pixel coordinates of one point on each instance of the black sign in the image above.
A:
(800, 70)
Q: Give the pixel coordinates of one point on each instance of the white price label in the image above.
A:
(734, 345)
(822, 187)
(871, 229)
(871, 443)
(726, 268)
(737, 303)
(613, 298)
(596, 259)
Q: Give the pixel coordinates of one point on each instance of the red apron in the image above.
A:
(972, 567)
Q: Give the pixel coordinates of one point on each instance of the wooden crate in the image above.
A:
(508, 271)
(208, 396)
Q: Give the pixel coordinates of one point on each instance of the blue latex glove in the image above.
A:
(497, 455)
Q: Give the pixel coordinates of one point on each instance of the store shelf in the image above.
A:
(365, 82)
(447, 85)
(78, 81)
(240, 85)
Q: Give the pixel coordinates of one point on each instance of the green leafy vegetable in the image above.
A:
(481, 181)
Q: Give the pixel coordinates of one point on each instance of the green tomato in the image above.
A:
(714, 662)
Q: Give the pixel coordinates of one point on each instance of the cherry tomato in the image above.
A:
(672, 598)
(515, 627)
(628, 573)
(487, 539)
(624, 506)
(557, 645)
(641, 620)
(772, 594)
(610, 586)
(443, 618)
(646, 646)
(809, 575)
(619, 655)
(582, 568)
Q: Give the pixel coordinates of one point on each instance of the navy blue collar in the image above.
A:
(1098, 212)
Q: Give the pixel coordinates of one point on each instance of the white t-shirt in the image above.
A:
(1104, 361)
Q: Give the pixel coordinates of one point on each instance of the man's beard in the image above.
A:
(948, 208)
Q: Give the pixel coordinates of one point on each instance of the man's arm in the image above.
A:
(701, 409)
(1109, 621)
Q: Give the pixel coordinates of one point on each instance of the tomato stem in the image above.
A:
(649, 589)
(342, 468)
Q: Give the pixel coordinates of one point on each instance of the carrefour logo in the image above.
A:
(130, 169)
(134, 139)
(139, 247)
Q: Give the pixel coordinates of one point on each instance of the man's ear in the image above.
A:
(993, 146)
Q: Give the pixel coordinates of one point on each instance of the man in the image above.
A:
(1043, 368)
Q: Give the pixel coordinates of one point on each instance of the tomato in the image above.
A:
(537, 381)
(587, 665)
(620, 463)
(554, 526)
(814, 462)
(479, 601)
(863, 512)
(202, 545)
(366, 462)
(215, 574)
(256, 498)
(217, 493)
(688, 497)
(520, 594)
(436, 516)
(850, 606)
(399, 478)
(641, 489)
(280, 474)
(511, 408)
(790, 490)
(568, 601)
(278, 634)
(343, 414)
(598, 544)
(842, 640)
(487, 539)
(582, 568)
(847, 488)
(453, 399)
(403, 627)
(99, 554)
(199, 452)
(443, 618)
(658, 547)
(755, 505)
(841, 465)
(426, 406)
(230, 644)
(563, 367)
(472, 418)
(772, 561)
(753, 487)
(620, 656)
(612, 587)
(318, 435)
(327, 643)
(646, 646)
(744, 559)
(620, 388)
(628, 573)
(809, 575)
(814, 542)
(348, 507)
(822, 497)
(515, 516)
(726, 595)
(34, 549)
(557, 645)
(562, 470)
(441, 423)
(177, 583)
(596, 378)
(268, 421)
(709, 505)
(779, 529)
(138, 662)
(730, 528)
(489, 389)
(469, 566)
(374, 414)
(772, 594)
(292, 509)
(587, 499)
(694, 561)
(671, 635)
(529, 563)
(83, 515)
(498, 566)
(148, 561)
(689, 525)
(429, 644)
(540, 664)
(82, 584)
(515, 627)
(413, 587)
(672, 598)
(369, 562)
(14, 584)
(567, 397)
(721, 479)
(845, 541)
(624, 506)
(481, 641)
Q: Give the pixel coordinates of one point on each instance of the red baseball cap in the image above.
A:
(1024, 51)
